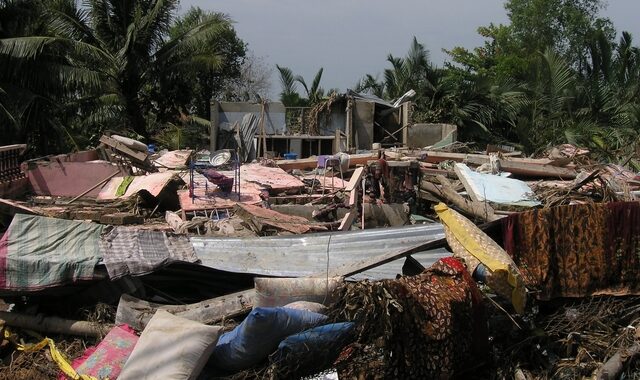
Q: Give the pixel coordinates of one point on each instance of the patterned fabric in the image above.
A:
(38, 252)
(579, 250)
(132, 251)
(437, 327)
(107, 358)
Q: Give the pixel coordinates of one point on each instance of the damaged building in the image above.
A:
(358, 246)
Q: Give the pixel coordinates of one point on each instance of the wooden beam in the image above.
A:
(21, 147)
(528, 167)
(137, 313)
(311, 163)
(480, 210)
(120, 147)
(536, 170)
(55, 325)
(14, 206)
(354, 181)
(347, 221)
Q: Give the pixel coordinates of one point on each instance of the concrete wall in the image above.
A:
(422, 135)
(363, 115)
(230, 112)
(337, 120)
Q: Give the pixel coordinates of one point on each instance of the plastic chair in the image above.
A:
(326, 162)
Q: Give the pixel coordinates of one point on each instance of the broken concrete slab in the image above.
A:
(69, 179)
(254, 178)
(153, 184)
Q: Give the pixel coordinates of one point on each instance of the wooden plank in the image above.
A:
(477, 159)
(528, 167)
(353, 198)
(355, 179)
(467, 185)
(137, 313)
(15, 206)
(347, 221)
(310, 163)
(529, 170)
(55, 325)
(21, 147)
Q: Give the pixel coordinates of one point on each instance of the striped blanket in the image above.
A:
(38, 252)
(133, 251)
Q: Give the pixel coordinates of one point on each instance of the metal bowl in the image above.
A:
(220, 157)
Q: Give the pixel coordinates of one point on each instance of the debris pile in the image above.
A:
(440, 262)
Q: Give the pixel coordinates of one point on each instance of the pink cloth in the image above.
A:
(107, 358)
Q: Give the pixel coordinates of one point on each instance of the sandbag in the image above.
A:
(171, 348)
(259, 335)
(273, 292)
(308, 306)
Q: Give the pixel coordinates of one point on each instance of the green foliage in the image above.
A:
(108, 64)
(290, 96)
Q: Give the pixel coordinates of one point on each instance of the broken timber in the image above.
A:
(480, 210)
(527, 167)
(311, 163)
(353, 188)
(55, 325)
(137, 158)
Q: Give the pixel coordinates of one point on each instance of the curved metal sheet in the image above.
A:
(305, 255)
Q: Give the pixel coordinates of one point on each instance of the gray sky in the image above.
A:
(350, 38)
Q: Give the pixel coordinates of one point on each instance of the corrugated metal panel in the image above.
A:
(304, 255)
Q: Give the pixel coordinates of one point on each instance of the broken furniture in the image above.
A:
(209, 170)
(125, 151)
(324, 164)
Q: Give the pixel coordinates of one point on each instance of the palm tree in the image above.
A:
(414, 71)
(315, 93)
(289, 95)
(38, 75)
(370, 84)
(123, 49)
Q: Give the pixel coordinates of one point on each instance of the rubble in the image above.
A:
(206, 240)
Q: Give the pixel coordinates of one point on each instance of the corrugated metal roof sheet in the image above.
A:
(304, 255)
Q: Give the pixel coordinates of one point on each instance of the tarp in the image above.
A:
(38, 252)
